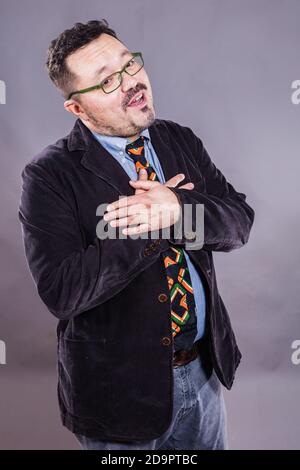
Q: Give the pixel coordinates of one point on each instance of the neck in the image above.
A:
(133, 138)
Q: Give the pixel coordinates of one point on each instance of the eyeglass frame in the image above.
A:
(120, 72)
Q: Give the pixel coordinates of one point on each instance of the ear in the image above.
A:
(74, 107)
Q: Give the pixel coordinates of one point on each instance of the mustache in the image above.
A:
(134, 92)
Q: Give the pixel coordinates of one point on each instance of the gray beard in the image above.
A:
(132, 129)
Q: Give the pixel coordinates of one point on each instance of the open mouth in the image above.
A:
(138, 102)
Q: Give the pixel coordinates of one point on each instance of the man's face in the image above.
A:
(109, 114)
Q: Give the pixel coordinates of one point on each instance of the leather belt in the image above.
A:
(184, 356)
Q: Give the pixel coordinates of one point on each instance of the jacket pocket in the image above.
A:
(83, 378)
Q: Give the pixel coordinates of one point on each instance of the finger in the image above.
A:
(132, 220)
(187, 186)
(143, 184)
(134, 230)
(143, 176)
(172, 182)
(122, 202)
(120, 212)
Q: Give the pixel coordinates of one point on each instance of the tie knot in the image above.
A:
(136, 148)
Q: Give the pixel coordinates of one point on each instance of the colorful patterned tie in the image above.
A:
(182, 300)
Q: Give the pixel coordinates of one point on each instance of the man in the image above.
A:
(144, 339)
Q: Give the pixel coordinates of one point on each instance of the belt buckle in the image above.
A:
(186, 355)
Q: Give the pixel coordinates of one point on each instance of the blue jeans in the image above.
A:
(199, 415)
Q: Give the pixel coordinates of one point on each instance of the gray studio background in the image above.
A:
(223, 68)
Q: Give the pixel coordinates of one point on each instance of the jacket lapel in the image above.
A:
(160, 139)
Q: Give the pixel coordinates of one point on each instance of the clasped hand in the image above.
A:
(153, 206)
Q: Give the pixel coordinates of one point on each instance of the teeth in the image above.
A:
(137, 98)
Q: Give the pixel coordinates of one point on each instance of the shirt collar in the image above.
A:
(116, 142)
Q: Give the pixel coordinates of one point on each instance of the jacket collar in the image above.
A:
(100, 162)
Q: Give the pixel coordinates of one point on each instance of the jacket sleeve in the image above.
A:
(71, 277)
(227, 216)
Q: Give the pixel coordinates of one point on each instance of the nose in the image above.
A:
(128, 82)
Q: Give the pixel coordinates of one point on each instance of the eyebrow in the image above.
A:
(104, 67)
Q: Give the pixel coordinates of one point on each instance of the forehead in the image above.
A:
(103, 51)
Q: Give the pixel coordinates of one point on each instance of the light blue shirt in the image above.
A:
(116, 147)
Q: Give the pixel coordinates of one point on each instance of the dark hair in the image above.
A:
(67, 42)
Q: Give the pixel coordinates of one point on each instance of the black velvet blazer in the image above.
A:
(115, 376)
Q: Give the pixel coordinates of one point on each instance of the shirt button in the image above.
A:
(166, 341)
(147, 252)
(162, 297)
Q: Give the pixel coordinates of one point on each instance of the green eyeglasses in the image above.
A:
(113, 81)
